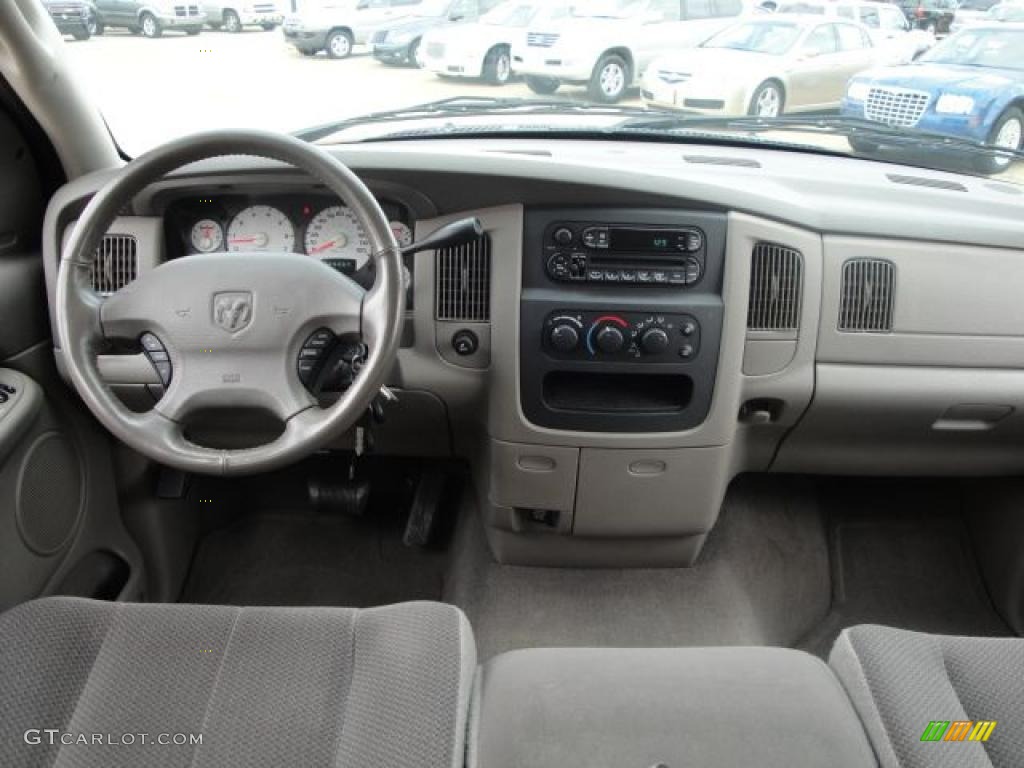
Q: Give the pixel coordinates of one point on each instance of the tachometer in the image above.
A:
(207, 236)
(261, 228)
(336, 236)
(402, 233)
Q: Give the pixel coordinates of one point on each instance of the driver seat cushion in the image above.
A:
(385, 686)
(900, 681)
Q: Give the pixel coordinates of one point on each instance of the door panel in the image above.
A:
(60, 523)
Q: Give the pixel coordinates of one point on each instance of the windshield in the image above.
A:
(1006, 12)
(432, 8)
(511, 15)
(608, 9)
(763, 37)
(992, 48)
(335, 71)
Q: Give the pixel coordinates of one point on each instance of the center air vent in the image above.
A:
(776, 277)
(868, 290)
(464, 282)
(116, 264)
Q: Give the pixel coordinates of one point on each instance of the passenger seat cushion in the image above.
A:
(264, 686)
(900, 681)
(585, 707)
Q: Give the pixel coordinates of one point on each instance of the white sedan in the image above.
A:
(764, 66)
(483, 49)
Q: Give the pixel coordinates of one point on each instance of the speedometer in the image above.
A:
(336, 236)
(261, 228)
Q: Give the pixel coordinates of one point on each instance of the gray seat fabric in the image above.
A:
(262, 686)
(900, 681)
(634, 708)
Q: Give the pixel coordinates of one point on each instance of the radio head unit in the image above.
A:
(590, 252)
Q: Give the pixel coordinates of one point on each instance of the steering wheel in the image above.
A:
(232, 325)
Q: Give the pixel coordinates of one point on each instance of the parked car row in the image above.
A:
(151, 18)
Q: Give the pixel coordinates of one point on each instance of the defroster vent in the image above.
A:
(464, 282)
(868, 291)
(116, 263)
(776, 280)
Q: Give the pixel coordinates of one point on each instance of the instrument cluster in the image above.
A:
(316, 225)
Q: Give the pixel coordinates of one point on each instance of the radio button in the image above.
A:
(644, 276)
(596, 237)
(694, 241)
(629, 275)
(563, 236)
(692, 271)
(612, 276)
(659, 276)
(677, 277)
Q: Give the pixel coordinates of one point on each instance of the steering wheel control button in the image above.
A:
(156, 353)
(315, 350)
(465, 343)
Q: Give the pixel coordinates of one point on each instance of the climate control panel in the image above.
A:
(614, 336)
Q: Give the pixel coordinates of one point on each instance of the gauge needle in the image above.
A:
(243, 239)
(324, 246)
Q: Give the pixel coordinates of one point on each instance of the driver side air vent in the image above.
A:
(867, 296)
(116, 264)
(776, 280)
(463, 292)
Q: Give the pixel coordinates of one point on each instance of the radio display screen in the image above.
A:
(648, 240)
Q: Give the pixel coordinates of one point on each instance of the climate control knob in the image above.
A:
(654, 341)
(609, 339)
(564, 337)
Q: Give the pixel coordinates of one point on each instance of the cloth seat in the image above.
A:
(271, 687)
(902, 681)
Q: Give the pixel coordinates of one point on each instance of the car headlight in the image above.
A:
(858, 90)
(954, 104)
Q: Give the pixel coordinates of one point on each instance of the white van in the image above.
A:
(606, 45)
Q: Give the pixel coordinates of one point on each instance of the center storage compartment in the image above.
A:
(595, 392)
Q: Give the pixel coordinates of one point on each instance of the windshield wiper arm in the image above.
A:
(474, 106)
(843, 126)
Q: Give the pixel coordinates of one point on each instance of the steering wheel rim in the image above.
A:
(85, 320)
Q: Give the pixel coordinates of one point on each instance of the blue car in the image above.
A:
(970, 86)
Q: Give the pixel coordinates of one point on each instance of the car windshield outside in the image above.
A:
(771, 37)
(988, 48)
(336, 71)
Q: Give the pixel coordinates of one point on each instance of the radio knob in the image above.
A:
(563, 236)
(654, 341)
(609, 339)
(564, 337)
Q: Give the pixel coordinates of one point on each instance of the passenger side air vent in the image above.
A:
(463, 292)
(116, 264)
(776, 280)
(867, 295)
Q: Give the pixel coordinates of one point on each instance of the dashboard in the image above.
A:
(648, 321)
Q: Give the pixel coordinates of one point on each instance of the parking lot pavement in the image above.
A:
(151, 91)
(154, 90)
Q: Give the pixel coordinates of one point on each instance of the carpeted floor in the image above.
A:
(901, 556)
(790, 563)
(761, 580)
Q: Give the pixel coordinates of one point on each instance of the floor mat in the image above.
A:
(301, 559)
(762, 579)
(901, 556)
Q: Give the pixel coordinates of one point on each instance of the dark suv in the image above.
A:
(935, 16)
(73, 17)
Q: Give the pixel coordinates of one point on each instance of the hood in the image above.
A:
(946, 77)
(468, 31)
(718, 60)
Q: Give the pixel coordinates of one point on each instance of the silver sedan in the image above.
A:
(764, 66)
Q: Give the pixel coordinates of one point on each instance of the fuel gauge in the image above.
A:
(207, 236)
